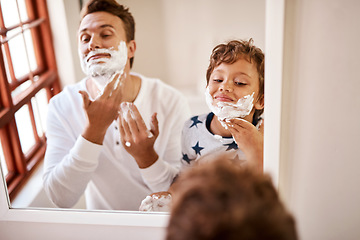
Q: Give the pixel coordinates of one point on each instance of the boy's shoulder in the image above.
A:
(197, 120)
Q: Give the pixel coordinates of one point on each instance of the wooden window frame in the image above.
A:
(19, 164)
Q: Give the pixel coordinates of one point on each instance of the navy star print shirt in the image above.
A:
(198, 141)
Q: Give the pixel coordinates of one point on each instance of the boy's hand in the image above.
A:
(249, 139)
(135, 137)
(103, 110)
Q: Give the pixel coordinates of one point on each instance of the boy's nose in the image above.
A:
(226, 86)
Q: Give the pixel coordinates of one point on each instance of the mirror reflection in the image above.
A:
(173, 43)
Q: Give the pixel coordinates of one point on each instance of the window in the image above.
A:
(28, 79)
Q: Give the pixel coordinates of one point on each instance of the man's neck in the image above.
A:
(131, 87)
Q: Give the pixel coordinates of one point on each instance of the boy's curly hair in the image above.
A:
(222, 200)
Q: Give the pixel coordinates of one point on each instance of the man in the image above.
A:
(95, 146)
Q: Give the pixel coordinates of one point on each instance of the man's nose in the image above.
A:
(94, 44)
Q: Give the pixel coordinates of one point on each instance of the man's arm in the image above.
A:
(70, 159)
(69, 162)
(159, 171)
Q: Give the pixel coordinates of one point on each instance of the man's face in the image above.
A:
(102, 45)
(100, 30)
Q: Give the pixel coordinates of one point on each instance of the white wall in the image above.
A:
(321, 110)
(174, 38)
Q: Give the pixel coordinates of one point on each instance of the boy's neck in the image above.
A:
(217, 128)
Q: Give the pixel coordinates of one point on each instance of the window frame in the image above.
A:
(20, 164)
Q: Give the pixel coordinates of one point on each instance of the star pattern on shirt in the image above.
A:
(196, 121)
(186, 158)
(230, 146)
(197, 148)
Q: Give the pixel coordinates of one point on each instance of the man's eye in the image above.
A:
(85, 39)
(106, 35)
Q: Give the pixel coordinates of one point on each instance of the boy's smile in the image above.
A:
(223, 98)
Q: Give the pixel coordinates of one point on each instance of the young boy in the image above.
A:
(235, 95)
(223, 200)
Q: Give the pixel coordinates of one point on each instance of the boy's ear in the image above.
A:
(260, 103)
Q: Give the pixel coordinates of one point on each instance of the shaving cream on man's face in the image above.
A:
(101, 69)
(227, 110)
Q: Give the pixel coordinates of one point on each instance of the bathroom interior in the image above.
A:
(310, 149)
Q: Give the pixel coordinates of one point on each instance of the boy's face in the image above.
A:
(102, 30)
(230, 82)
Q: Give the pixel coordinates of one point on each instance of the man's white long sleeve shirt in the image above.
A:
(109, 176)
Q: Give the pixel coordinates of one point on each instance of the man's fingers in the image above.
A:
(138, 120)
(85, 97)
(125, 131)
(154, 125)
(109, 88)
(118, 88)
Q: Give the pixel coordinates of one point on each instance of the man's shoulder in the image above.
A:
(156, 84)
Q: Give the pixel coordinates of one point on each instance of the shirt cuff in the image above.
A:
(86, 151)
(156, 170)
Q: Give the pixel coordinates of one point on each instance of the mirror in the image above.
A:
(174, 42)
(92, 225)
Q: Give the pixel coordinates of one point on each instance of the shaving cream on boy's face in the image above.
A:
(227, 110)
(101, 64)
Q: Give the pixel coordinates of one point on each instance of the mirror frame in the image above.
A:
(92, 224)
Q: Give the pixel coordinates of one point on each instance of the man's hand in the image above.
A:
(249, 139)
(135, 137)
(103, 110)
(156, 202)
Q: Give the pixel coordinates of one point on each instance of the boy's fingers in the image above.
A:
(240, 122)
(261, 126)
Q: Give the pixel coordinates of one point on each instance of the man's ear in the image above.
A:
(259, 103)
(131, 48)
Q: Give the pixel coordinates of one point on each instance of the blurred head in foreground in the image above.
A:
(221, 200)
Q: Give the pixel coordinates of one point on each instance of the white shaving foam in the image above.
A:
(102, 69)
(125, 109)
(226, 110)
(156, 203)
